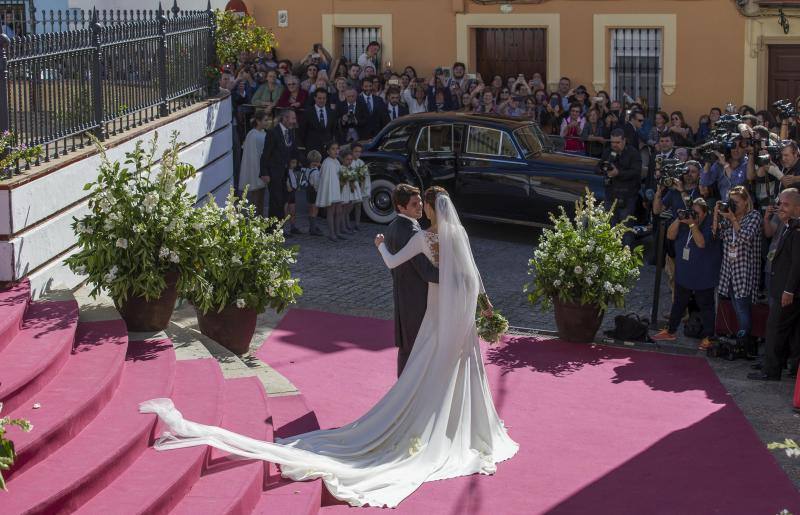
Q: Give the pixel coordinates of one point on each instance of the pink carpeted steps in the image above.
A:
(156, 481)
(290, 416)
(229, 484)
(13, 303)
(75, 396)
(36, 354)
(85, 465)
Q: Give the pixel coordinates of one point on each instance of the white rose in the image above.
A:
(173, 257)
(240, 303)
(163, 253)
(578, 270)
(557, 283)
(236, 260)
(122, 243)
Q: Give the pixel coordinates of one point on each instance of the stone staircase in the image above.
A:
(80, 382)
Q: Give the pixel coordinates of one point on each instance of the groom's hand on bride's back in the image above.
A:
(378, 240)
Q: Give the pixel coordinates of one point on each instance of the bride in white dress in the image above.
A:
(437, 422)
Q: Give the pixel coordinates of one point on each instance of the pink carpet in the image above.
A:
(601, 429)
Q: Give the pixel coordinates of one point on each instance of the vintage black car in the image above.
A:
(495, 168)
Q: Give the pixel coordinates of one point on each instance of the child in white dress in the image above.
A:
(329, 194)
(310, 182)
(366, 185)
(351, 193)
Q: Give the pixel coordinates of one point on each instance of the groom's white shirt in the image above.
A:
(416, 223)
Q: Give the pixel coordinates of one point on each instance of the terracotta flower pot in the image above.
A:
(232, 327)
(140, 314)
(577, 322)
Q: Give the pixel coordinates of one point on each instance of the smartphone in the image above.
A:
(553, 102)
(393, 82)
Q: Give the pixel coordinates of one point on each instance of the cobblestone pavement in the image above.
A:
(350, 278)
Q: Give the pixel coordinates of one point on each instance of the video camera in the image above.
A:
(786, 109)
(672, 172)
(687, 214)
(606, 166)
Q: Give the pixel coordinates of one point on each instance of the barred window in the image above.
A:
(356, 39)
(636, 64)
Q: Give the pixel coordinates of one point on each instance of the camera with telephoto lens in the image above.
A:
(786, 109)
(687, 214)
(348, 120)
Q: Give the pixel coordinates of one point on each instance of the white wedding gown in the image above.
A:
(437, 422)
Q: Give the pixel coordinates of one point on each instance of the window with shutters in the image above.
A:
(355, 40)
(636, 62)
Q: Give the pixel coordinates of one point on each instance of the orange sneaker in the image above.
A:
(664, 336)
(705, 344)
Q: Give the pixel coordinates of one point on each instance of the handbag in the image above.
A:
(630, 327)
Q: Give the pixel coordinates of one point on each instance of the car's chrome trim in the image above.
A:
(486, 218)
(490, 160)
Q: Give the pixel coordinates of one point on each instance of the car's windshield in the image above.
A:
(531, 139)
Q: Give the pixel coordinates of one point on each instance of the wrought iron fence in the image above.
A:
(101, 73)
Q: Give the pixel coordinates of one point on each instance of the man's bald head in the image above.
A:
(790, 203)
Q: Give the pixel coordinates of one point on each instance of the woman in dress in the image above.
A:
(437, 422)
(351, 193)
(329, 194)
(250, 170)
(739, 228)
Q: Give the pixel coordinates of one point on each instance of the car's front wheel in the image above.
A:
(379, 207)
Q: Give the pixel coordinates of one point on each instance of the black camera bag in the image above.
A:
(630, 328)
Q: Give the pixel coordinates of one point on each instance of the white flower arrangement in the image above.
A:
(134, 233)
(582, 260)
(250, 270)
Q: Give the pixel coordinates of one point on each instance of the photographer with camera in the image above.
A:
(738, 225)
(790, 160)
(621, 165)
(697, 264)
(347, 115)
(730, 168)
(784, 292)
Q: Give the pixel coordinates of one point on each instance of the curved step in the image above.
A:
(157, 480)
(38, 351)
(107, 446)
(75, 396)
(13, 303)
(229, 484)
(290, 416)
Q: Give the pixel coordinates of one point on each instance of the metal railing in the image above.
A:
(106, 72)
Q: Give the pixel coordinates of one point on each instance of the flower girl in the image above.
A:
(366, 182)
(351, 190)
(329, 194)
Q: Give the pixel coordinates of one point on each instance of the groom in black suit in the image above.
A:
(784, 290)
(409, 280)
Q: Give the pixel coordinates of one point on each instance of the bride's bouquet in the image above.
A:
(490, 328)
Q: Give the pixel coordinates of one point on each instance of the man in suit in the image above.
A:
(409, 280)
(370, 111)
(784, 290)
(319, 123)
(347, 118)
(623, 180)
(394, 109)
(279, 147)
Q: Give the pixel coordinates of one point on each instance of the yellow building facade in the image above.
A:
(699, 53)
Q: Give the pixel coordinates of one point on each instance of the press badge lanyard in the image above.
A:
(686, 247)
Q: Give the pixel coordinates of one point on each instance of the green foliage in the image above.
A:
(236, 34)
(7, 454)
(11, 154)
(583, 260)
(242, 259)
(139, 225)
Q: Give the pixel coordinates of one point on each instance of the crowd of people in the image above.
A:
(727, 215)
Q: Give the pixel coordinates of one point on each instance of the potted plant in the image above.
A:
(244, 268)
(581, 267)
(7, 453)
(136, 240)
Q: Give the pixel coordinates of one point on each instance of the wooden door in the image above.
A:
(784, 72)
(509, 52)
